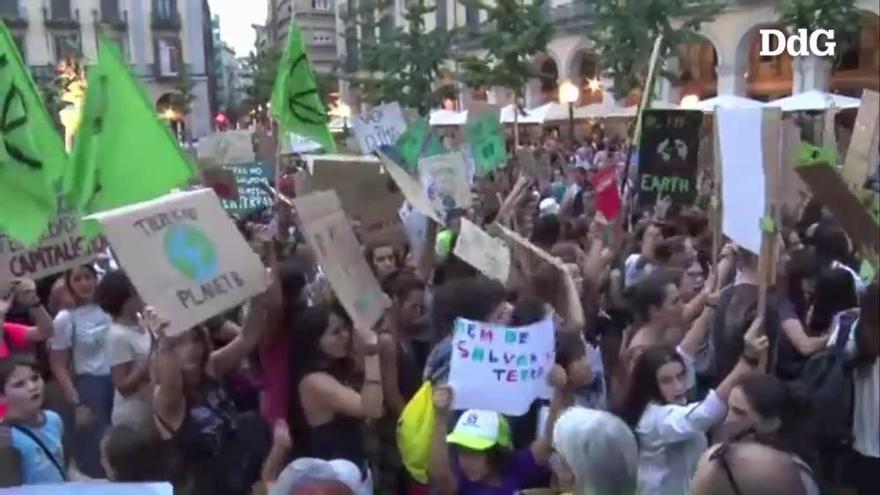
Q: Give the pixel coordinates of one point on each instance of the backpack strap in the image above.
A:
(39, 443)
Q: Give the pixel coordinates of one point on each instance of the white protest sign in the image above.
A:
(487, 254)
(500, 368)
(379, 126)
(96, 488)
(444, 178)
(222, 148)
(301, 144)
(329, 234)
(184, 256)
(411, 189)
(62, 247)
(740, 137)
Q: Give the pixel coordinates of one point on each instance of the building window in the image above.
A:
(61, 9)
(165, 9)
(65, 46)
(9, 9)
(472, 16)
(322, 38)
(440, 15)
(168, 61)
(326, 5)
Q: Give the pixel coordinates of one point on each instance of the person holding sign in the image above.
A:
(79, 363)
(221, 450)
(483, 460)
(326, 412)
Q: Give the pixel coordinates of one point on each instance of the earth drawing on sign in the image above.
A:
(191, 252)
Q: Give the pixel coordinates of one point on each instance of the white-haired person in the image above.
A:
(310, 476)
(596, 453)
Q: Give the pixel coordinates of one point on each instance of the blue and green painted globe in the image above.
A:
(191, 252)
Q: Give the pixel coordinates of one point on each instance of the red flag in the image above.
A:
(606, 194)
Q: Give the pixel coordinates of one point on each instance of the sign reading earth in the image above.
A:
(191, 252)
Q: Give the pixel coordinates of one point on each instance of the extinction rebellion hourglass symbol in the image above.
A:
(297, 101)
(15, 116)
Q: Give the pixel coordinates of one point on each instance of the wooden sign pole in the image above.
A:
(865, 142)
(643, 103)
(772, 146)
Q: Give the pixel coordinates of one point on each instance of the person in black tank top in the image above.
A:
(329, 397)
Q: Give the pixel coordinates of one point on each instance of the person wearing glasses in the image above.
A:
(671, 432)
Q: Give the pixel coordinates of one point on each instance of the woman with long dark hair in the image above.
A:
(670, 431)
(329, 401)
(78, 359)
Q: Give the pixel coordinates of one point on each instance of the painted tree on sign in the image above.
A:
(624, 31)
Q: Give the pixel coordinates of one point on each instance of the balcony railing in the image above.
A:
(166, 21)
(61, 16)
(13, 14)
(112, 15)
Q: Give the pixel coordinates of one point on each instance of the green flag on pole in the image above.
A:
(32, 157)
(122, 153)
(296, 104)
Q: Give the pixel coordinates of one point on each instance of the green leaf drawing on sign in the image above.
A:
(411, 144)
(767, 224)
(484, 136)
(809, 154)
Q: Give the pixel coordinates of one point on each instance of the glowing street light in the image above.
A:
(690, 101)
(569, 93)
(594, 85)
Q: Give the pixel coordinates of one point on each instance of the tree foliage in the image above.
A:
(515, 32)
(261, 68)
(840, 16)
(183, 94)
(624, 32)
(399, 63)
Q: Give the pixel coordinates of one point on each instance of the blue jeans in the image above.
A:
(96, 393)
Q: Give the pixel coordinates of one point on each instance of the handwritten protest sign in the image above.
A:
(444, 178)
(486, 141)
(668, 157)
(379, 126)
(417, 141)
(743, 185)
(251, 196)
(367, 194)
(501, 368)
(301, 144)
(63, 246)
(96, 488)
(410, 188)
(184, 256)
(331, 238)
(487, 254)
(863, 147)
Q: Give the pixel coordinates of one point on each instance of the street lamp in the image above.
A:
(568, 93)
(344, 111)
(690, 101)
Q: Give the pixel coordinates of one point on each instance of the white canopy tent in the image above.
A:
(727, 101)
(535, 115)
(443, 117)
(814, 100)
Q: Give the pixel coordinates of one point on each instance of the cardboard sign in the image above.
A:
(184, 256)
(366, 193)
(411, 189)
(444, 179)
(223, 148)
(743, 185)
(91, 488)
(332, 240)
(251, 195)
(487, 254)
(416, 141)
(486, 141)
(668, 156)
(499, 368)
(569, 304)
(863, 152)
(63, 246)
(380, 126)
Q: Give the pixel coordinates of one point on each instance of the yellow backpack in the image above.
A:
(415, 429)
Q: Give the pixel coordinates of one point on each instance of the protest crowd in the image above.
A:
(537, 330)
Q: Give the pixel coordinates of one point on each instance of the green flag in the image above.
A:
(417, 141)
(296, 104)
(32, 158)
(487, 143)
(122, 153)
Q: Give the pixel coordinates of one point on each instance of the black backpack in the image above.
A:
(827, 378)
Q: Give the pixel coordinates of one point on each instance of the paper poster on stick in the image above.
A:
(444, 179)
(743, 184)
(62, 247)
(378, 127)
(487, 254)
(184, 256)
(411, 189)
(329, 234)
(500, 368)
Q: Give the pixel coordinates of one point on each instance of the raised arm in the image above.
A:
(229, 357)
(168, 399)
(61, 347)
(752, 360)
(542, 447)
(26, 295)
(440, 471)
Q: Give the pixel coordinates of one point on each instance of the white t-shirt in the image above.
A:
(866, 410)
(127, 344)
(83, 328)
